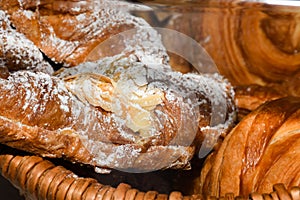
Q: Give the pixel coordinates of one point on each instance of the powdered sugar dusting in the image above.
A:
(73, 38)
(141, 40)
(200, 97)
(38, 88)
(39, 97)
(215, 88)
(17, 52)
(28, 13)
(152, 109)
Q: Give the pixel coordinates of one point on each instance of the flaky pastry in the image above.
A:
(68, 31)
(115, 113)
(262, 150)
(17, 52)
(124, 109)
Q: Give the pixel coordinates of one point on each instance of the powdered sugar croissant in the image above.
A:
(67, 31)
(130, 121)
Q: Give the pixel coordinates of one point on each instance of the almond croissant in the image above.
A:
(131, 118)
(262, 150)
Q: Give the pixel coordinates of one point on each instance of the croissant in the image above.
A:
(263, 149)
(70, 32)
(273, 57)
(17, 52)
(125, 119)
(250, 42)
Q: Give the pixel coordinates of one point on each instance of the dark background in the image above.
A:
(8, 191)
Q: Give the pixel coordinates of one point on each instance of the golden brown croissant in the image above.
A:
(260, 54)
(127, 118)
(263, 149)
(250, 42)
(17, 52)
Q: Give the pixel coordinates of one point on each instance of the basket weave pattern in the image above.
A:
(38, 178)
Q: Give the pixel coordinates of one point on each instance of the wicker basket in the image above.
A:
(39, 178)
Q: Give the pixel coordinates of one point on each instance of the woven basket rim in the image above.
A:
(57, 182)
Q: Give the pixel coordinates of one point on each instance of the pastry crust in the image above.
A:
(262, 150)
(40, 115)
(69, 31)
(17, 52)
(126, 111)
(224, 32)
(249, 97)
